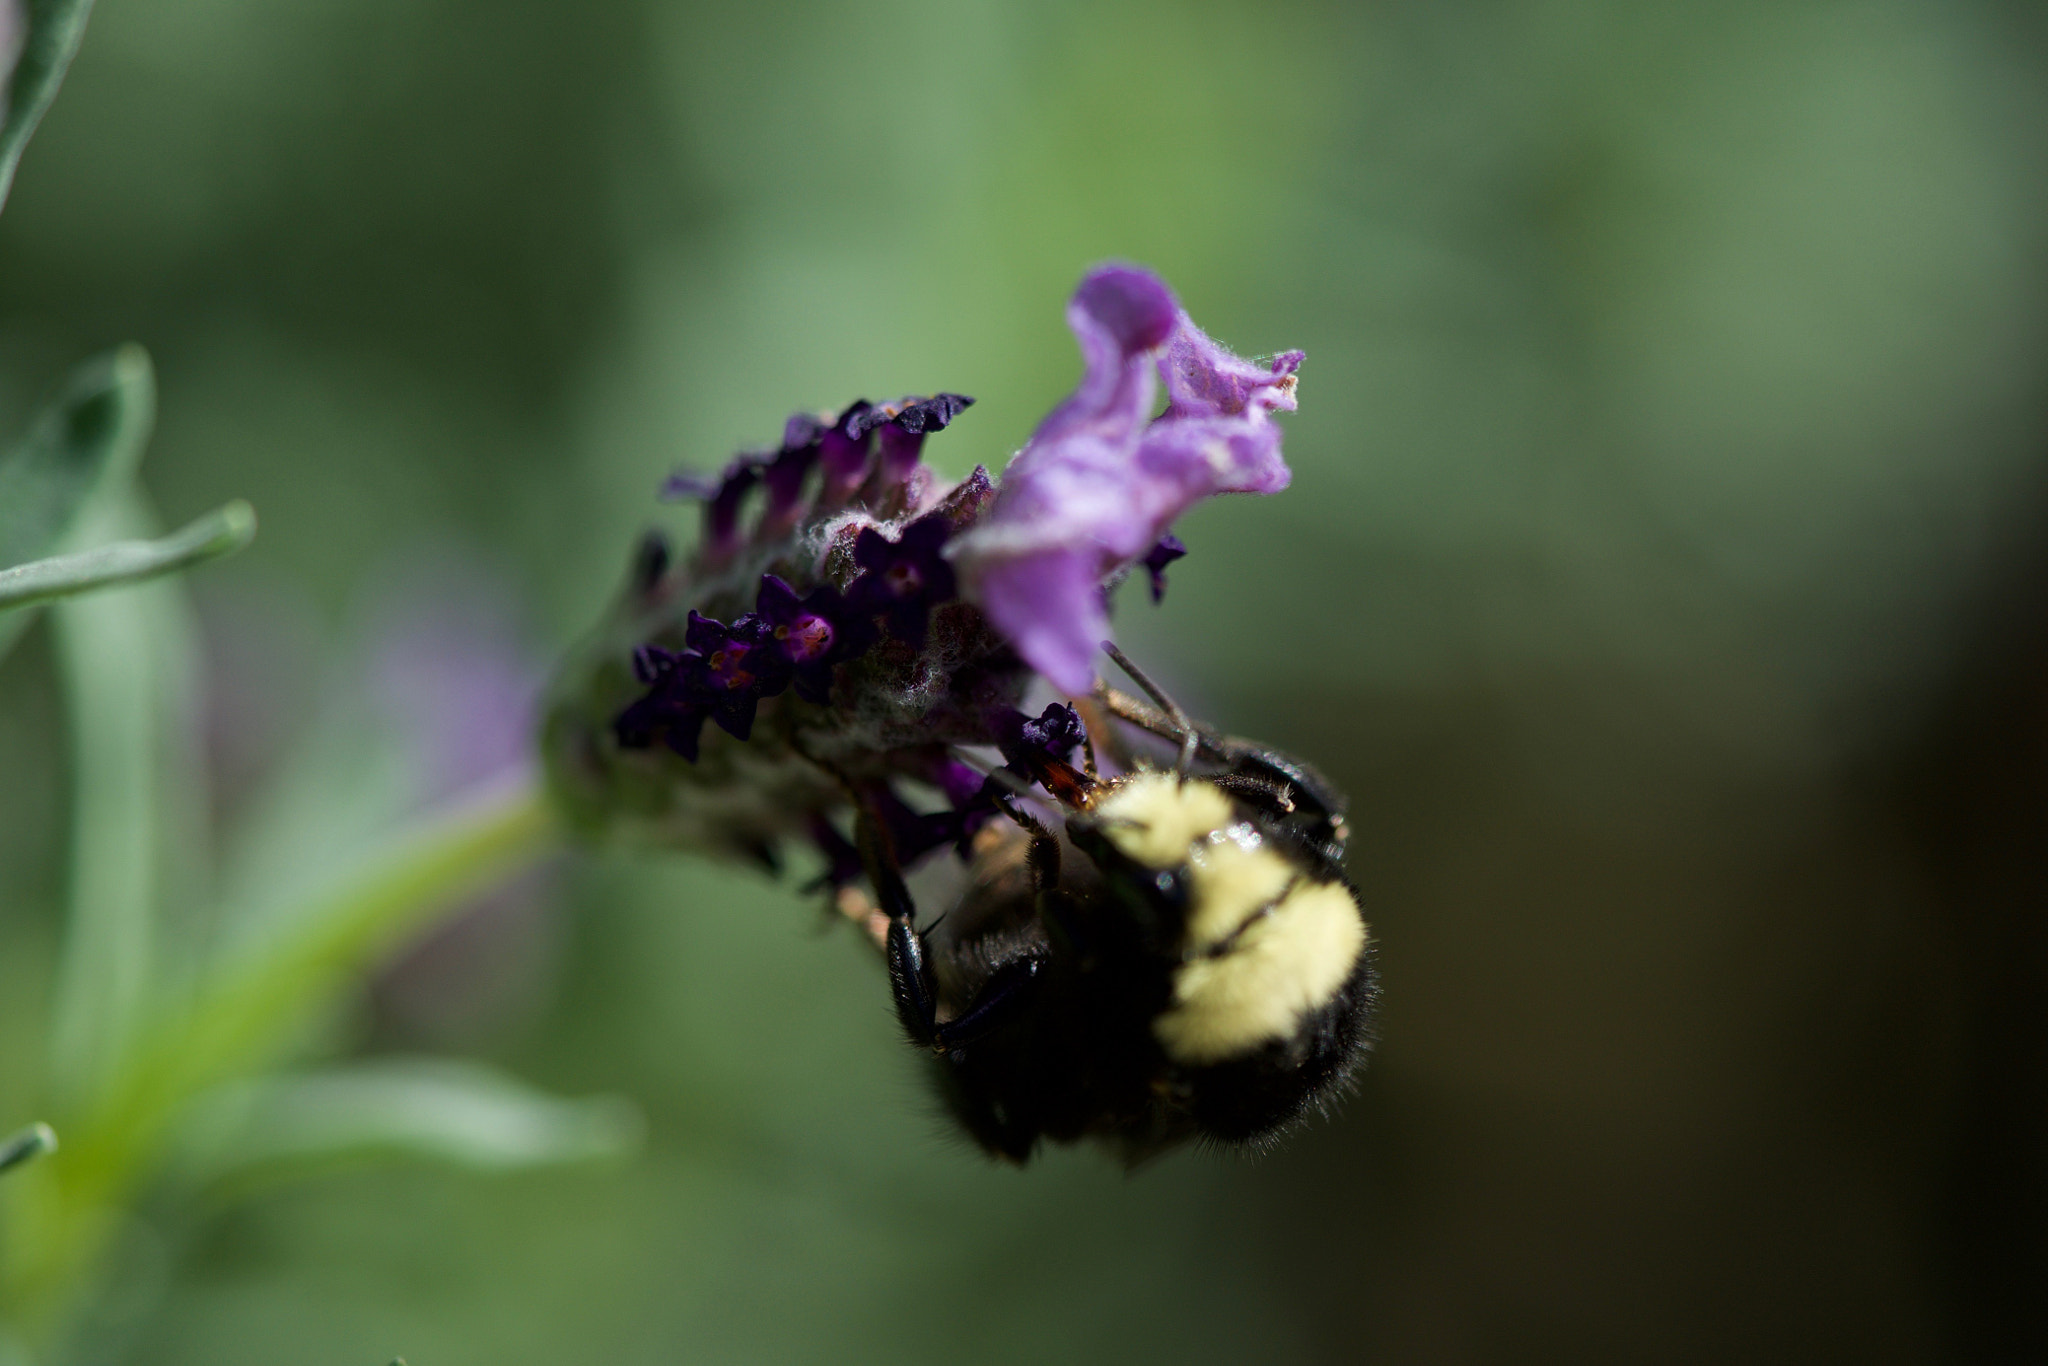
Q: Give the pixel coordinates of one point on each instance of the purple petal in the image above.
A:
(1098, 484)
(1120, 315)
(1050, 606)
(1206, 380)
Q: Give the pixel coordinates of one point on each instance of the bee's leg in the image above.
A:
(1008, 988)
(917, 997)
(910, 975)
(1044, 853)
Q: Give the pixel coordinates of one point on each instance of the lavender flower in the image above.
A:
(1101, 480)
(870, 619)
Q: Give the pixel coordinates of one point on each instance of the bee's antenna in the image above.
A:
(1188, 737)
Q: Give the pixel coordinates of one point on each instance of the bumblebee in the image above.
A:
(1181, 958)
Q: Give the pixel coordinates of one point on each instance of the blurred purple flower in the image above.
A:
(447, 673)
(1101, 480)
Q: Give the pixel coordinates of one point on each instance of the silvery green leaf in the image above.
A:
(54, 30)
(256, 999)
(220, 532)
(442, 1109)
(27, 1145)
(88, 441)
(128, 661)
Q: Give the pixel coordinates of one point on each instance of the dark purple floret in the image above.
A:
(903, 426)
(802, 429)
(652, 664)
(1168, 549)
(905, 578)
(722, 502)
(687, 484)
(736, 667)
(1036, 750)
(843, 453)
(650, 562)
(958, 781)
(1055, 734)
(918, 416)
(783, 477)
(1027, 742)
(667, 714)
(812, 633)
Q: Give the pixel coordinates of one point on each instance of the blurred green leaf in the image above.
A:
(257, 1003)
(54, 30)
(442, 1109)
(128, 662)
(27, 1145)
(89, 440)
(220, 532)
(111, 687)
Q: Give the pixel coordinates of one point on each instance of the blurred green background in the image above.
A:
(1664, 575)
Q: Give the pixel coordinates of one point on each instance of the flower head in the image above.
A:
(857, 620)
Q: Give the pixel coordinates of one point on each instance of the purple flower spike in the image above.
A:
(905, 578)
(812, 634)
(1165, 552)
(1096, 487)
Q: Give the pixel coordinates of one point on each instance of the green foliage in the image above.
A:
(221, 532)
(465, 1113)
(85, 445)
(165, 1045)
(1672, 404)
(55, 28)
(27, 1145)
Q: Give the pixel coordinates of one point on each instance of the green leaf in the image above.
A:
(256, 1003)
(220, 532)
(441, 1109)
(126, 661)
(27, 1145)
(89, 441)
(54, 30)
